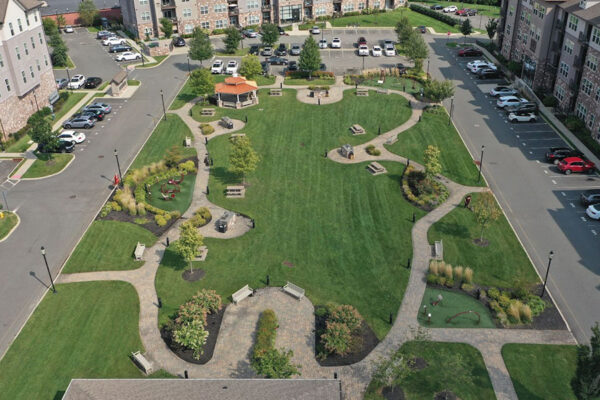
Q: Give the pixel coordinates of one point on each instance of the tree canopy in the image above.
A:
(310, 58)
(491, 27)
(250, 66)
(242, 158)
(466, 28)
(202, 82)
(586, 383)
(200, 47)
(270, 34)
(166, 25)
(232, 39)
(416, 49)
(87, 12)
(189, 242)
(486, 211)
(432, 161)
(438, 91)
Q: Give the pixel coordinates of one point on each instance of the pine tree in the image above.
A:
(200, 46)
(310, 58)
(232, 39)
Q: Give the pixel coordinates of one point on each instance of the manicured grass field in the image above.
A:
(85, 330)
(186, 93)
(71, 101)
(108, 246)
(7, 223)
(457, 163)
(167, 134)
(503, 263)
(264, 80)
(439, 375)
(158, 59)
(20, 145)
(48, 164)
(182, 200)
(306, 82)
(452, 304)
(345, 233)
(490, 11)
(391, 18)
(394, 83)
(541, 372)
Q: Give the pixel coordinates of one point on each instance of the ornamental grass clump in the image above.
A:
(468, 273)
(448, 271)
(434, 267)
(525, 313)
(513, 312)
(458, 273)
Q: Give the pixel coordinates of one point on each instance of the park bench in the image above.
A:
(375, 168)
(202, 253)
(438, 249)
(142, 362)
(208, 111)
(188, 141)
(357, 129)
(235, 192)
(275, 92)
(227, 122)
(139, 251)
(362, 92)
(294, 290)
(241, 294)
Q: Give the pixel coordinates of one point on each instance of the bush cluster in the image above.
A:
(202, 216)
(514, 308)
(442, 273)
(445, 18)
(370, 149)
(207, 129)
(305, 74)
(422, 192)
(315, 87)
(342, 322)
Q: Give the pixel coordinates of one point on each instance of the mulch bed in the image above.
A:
(418, 363)
(193, 276)
(363, 343)
(213, 324)
(445, 395)
(549, 319)
(124, 216)
(393, 393)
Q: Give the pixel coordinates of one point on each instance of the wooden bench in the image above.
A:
(235, 192)
(376, 169)
(142, 362)
(202, 253)
(188, 141)
(357, 129)
(139, 251)
(241, 294)
(208, 111)
(294, 290)
(362, 92)
(275, 92)
(438, 250)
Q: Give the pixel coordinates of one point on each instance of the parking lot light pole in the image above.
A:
(116, 153)
(162, 98)
(188, 59)
(427, 66)
(68, 77)
(550, 255)
(480, 163)
(451, 110)
(48, 268)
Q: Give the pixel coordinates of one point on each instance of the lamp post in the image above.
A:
(480, 163)
(162, 98)
(550, 255)
(451, 110)
(116, 153)
(188, 60)
(68, 77)
(427, 66)
(48, 268)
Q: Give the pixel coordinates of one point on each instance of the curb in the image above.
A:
(11, 231)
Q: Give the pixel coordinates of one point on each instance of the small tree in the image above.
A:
(60, 21)
(432, 161)
(200, 46)
(191, 335)
(394, 369)
(232, 39)
(242, 159)
(466, 29)
(438, 91)
(166, 25)
(50, 26)
(486, 211)
(586, 382)
(417, 50)
(310, 58)
(189, 242)
(41, 132)
(87, 12)
(403, 30)
(250, 66)
(202, 82)
(270, 34)
(276, 364)
(59, 56)
(491, 27)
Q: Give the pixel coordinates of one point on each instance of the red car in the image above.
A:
(462, 13)
(469, 52)
(576, 164)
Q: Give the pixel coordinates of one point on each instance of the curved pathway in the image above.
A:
(231, 355)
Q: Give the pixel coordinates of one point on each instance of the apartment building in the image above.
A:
(142, 17)
(26, 77)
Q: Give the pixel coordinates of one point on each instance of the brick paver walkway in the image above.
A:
(232, 352)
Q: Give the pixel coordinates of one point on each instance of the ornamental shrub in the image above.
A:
(493, 293)
(449, 282)
(207, 129)
(208, 299)
(188, 167)
(432, 279)
(336, 338)
(275, 364)
(191, 335)
(160, 220)
(467, 287)
(445, 18)
(346, 314)
(265, 335)
(141, 209)
(191, 311)
(536, 304)
(504, 301)
(115, 206)
(105, 210)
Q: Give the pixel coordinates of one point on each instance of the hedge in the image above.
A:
(445, 18)
(304, 74)
(265, 337)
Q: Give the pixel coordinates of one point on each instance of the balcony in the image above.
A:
(308, 3)
(533, 45)
(232, 1)
(167, 5)
(234, 11)
(266, 6)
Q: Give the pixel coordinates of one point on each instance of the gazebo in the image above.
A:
(236, 92)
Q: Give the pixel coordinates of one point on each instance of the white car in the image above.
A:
(509, 101)
(389, 50)
(477, 67)
(336, 43)
(71, 136)
(376, 51)
(503, 91)
(450, 9)
(76, 82)
(129, 56)
(593, 211)
(470, 64)
(363, 50)
(113, 40)
(522, 117)
(315, 30)
(69, 29)
(232, 67)
(323, 43)
(217, 67)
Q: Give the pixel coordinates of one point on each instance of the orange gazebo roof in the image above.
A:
(235, 85)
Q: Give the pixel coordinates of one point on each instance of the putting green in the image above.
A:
(452, 304)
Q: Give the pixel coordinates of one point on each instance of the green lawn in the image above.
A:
(439, 376)
(452, 304)
(487, 10)
(307, 82)
(264, 80)
(238, 52)
(503, 263)
(133, 82)
(541, 372)
(167, 134)
(48, 164)
(391, 18)
(20, 145)
(7, 223)
(391, 82)
(85, 330)
(457, 163)
(71, 101)
(158, 59)
(182, 200)
(108, 246)
(346, 233)
(305, 27)
(70, 64)
(187, 94)
(103, 86)
(93, 29)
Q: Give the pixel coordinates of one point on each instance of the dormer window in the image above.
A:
(582, 4)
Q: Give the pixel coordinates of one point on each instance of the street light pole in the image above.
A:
(451, 109)
(550, 255)
(428, 66)
(480, 163)
(48, 268)
(116, 153)
(68, 78)
(188, 59)
(162, 98)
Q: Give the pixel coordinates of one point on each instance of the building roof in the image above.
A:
(196, 389)
(119, 77)
(235, 85)
(590, 14)
(68, 6)
(26, 4)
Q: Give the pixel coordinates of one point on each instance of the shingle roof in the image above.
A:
(196, 389)
(590, 14)
(26, 4)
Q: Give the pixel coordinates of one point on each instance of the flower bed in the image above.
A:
(423, 193)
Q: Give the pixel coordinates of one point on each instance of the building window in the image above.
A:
(597, 97)
(24, 77)
(38, 65)
(146, 16)
(252, 5)
(348, 7)
(7, 83)
(18, 54)
(12, 30)
(538, 34)
(508, 29)
(147, 31)
(592, 63)
(35, 16)
(31, 71)
(220, 24)
(525, 38)
(20, 24)
(187, 12)
(220, 8)
(568, 48)
(581, 111)
(253, 20)
(143, 2)
(596, 35)
(45, 60)
(559, 93)
(203, 10)
(581, 3)
(376, 4)
(573, 21)
(522, 15)
(291, 13)
(361, 6)
(564, 69)
(321, 11)
(26, 49)
(205, 25)
(591, 121)
(586, 86)
(27, 19)
(40, 37)
(32, 42)
(189, 28)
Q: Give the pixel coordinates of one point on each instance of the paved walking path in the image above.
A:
(231, 356)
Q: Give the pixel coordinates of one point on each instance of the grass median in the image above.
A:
(48, 164)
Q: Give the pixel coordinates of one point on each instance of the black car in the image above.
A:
(292, 66)
(470, 12)
(266, 67)
(282, 31)
(401, 68)
(555, 154)
(437, 7)
(178, 41)
(281, 50)
(590, 197)
(62, 147)
(92, 82)
(96, 114)
(274, 60)
(488, 73)
(528, 107)
(119, 48)
(322, 67)
(254, 49)
(469, 52)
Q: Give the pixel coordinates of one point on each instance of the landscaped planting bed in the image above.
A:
(7, 223)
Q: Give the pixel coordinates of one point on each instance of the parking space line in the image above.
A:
(553, 181)
(583, 219)
(564, 194)
(572, 205)
(594, 232)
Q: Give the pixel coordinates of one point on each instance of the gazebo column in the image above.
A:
(237, 103)
(254, 97)
(219, 102)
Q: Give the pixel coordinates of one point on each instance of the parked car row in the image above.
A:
(463, 12)
(219, 67)
(88, 116)
(78, 81)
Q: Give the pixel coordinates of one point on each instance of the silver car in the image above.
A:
(105, 108)
(79, 122)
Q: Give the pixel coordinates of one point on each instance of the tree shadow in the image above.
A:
(452, 229)
(173, 260)
(222, 175)
(59, 395)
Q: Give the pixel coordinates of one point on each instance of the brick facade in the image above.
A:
(588, 96)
